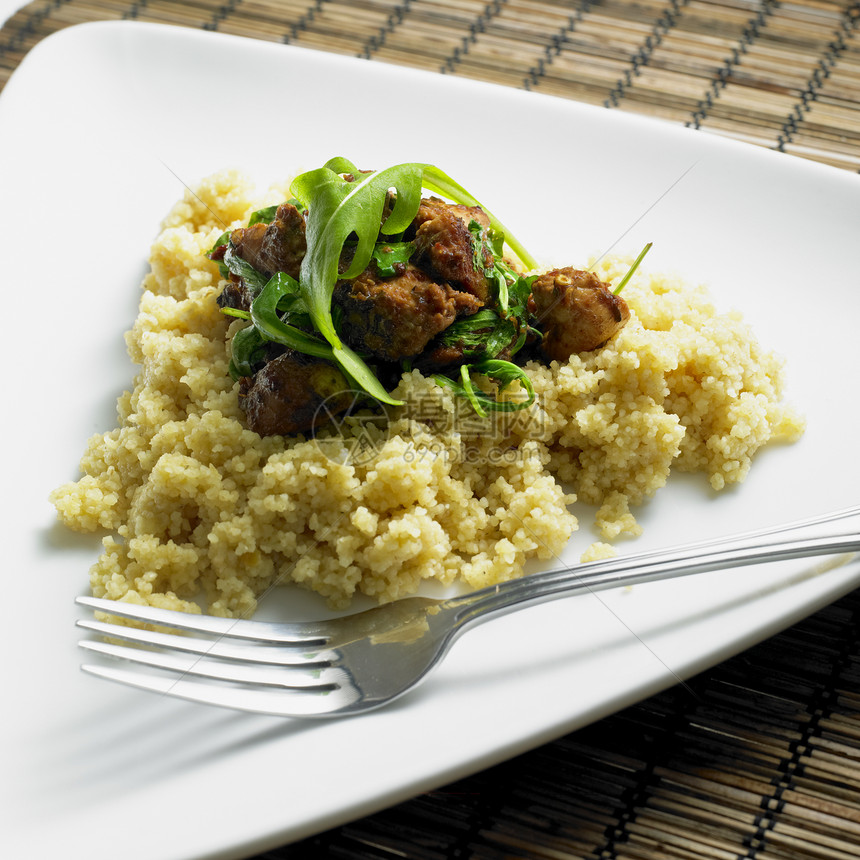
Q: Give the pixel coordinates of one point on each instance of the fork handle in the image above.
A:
(837, 532)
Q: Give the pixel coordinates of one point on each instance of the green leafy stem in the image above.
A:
(500, 371)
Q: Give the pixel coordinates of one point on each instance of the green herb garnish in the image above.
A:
(339, 209)
(388, 255)
(623, 282)
(482, 335)
(501, 372)
(220, 242)
(263, 216)
(283, 291)
(277, 303)
(248, 348)
(243, 269)
(489, 332)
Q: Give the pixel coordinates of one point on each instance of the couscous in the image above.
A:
(201, 510)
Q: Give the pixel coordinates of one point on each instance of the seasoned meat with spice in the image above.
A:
(431, 206)
(237, 293)
(293, 393)
(276, 247)
(576, 312)
(269, 248)
(396, 317)
(448, 250)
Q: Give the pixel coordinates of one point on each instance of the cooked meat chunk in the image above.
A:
(269, 248)
(576, 312)
(394, 318)
(248, 243)
(439, 356)
(236, 294)
(276, 247)
(293, 393)
(430, 206)
(446, 247)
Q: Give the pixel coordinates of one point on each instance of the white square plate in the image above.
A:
(99, 128)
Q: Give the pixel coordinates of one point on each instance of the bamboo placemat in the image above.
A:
(758, 758)
(785, 75)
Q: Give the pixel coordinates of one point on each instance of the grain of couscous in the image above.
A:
(199, 508)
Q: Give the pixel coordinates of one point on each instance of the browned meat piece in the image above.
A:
(439, 357)
(394, 318)
(248, 242)
(276, 247)
(576, 311)
(236, 294)
(430, 206)
(445, 247)
(292, 394)
(269, 248)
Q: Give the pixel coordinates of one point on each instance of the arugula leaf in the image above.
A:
(499, 274)
(264, 314)
(337, 210)
(502, 372)
(482, 335)
(519, 290)
(247, 349)
(388, 254)
(506, 372)
(237, 266)
(220, 242)
(290, 299)
(223, 239)
(263, 216)
(485, 334)
(269, 213)
(280, 295)
(468, 390)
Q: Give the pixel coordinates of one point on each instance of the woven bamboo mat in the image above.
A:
(785, 75)
(758, 758)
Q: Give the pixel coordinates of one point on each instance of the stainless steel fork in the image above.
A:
(359, 662)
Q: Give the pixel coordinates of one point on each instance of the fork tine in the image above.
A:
(290, 702)
(275, 655)
(302, 634)
(322, 677)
